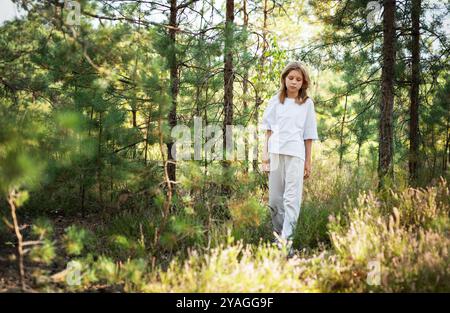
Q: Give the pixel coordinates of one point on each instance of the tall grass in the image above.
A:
(408, 247)
(354, 239)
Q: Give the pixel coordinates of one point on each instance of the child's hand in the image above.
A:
(307, 173)
(265, 166)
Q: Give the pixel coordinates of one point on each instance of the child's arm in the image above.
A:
(265, 156)
(308, 148)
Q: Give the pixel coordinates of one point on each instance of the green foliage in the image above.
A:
(127, 235)
(43, 253)
(44, 249)
(20, 162)
(251, 220)
(42, 227)
(76, 239)
(183, 229)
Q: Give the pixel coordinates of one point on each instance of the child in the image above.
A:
(290, 123)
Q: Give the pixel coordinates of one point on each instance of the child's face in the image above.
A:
(294, 81)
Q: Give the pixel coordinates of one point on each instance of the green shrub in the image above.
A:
(76, 239)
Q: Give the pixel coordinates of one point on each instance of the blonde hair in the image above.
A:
(302, 93)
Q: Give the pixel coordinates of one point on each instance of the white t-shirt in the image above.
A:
(291, 124)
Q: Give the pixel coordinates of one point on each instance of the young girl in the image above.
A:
(290, 124)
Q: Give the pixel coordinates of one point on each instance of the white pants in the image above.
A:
(285, 192)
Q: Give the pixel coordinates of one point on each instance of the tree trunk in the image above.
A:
(262, 61)
(228, 84)
(385, 151)
(414, 95)
(171, 168)
(245, 91)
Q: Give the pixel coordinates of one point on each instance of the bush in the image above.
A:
(411, 246)
(230, 268)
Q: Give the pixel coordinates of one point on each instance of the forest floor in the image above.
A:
(9, 269)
